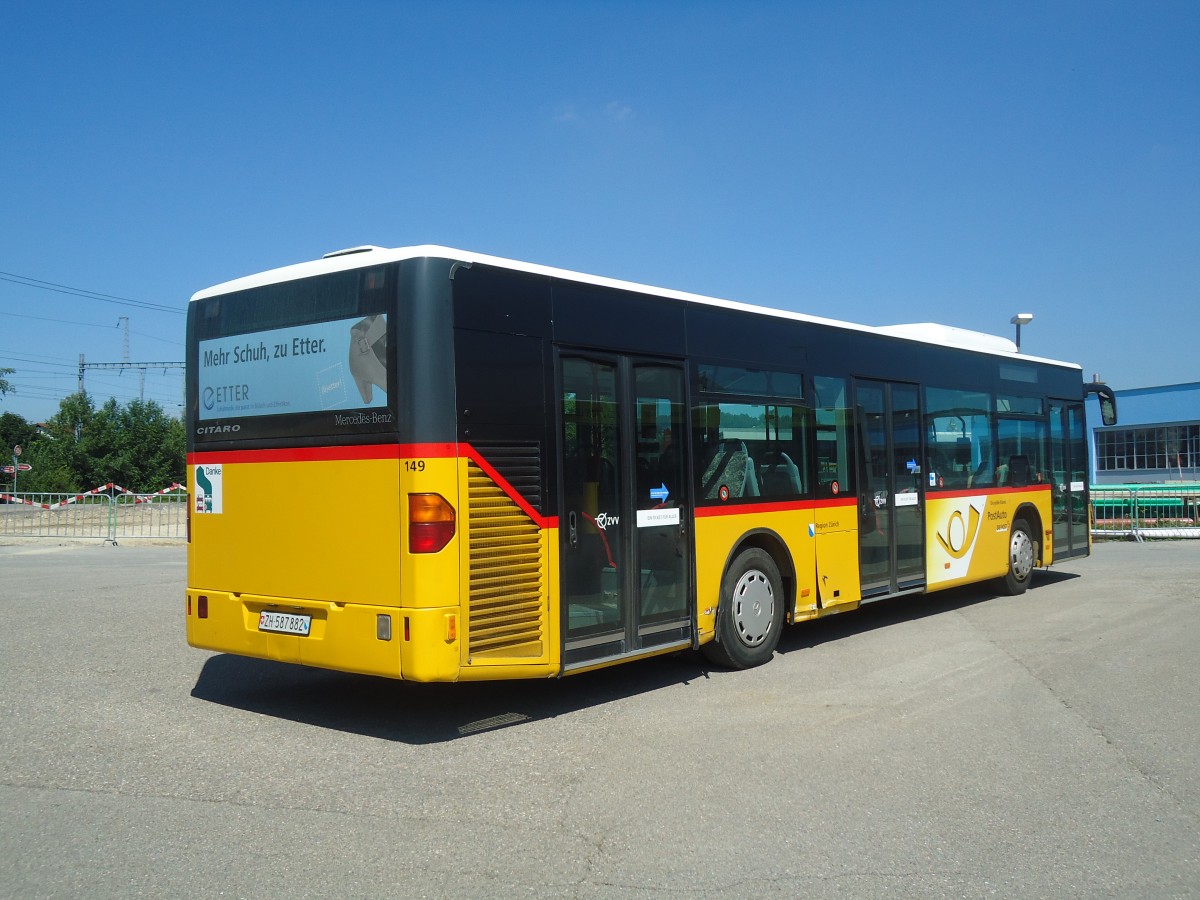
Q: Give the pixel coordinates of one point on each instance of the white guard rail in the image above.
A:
(1146, 511)
(109, 513)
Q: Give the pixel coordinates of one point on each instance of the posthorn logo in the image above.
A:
(960, 535)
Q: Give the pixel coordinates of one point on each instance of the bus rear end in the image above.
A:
(300, 464)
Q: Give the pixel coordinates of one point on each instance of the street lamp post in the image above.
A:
(1020, 319)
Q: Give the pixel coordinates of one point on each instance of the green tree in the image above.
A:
(56, 455)
(137, 446)
(14, 431)
(100, 447)
(6, 385)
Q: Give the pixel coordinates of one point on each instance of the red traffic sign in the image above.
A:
(21, 467)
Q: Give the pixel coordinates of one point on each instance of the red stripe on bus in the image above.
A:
(511, 492)
(373, 451)
(297, 454)
(437, 451)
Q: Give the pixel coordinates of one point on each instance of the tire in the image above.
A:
(1022, 557)
(749, 614)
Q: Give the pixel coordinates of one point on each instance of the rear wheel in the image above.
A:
(750, 612)
(1022, 557)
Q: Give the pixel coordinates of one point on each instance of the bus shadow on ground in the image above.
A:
(425, 713)
(437, 713)
(909, 608)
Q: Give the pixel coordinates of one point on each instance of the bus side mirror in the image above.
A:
(1108, 411)
(1108, 401)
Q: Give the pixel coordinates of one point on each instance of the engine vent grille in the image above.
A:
(507, 571)
(520, 465)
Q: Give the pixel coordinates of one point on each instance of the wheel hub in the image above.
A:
(1021, 552)
(753, 607)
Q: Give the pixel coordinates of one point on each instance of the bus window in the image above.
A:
(718, 379)
(1020, 441)
(724, 468)
(835, 438)
(958, 439)
(1021, 444)
(782, 461)
(750, 450)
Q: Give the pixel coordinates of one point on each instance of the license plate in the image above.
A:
(284, 623)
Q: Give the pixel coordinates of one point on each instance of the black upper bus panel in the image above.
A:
(623, 321)
(501, 301)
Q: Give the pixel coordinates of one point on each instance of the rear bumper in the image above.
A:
(342, 636)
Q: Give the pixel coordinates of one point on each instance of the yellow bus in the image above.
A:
(435, 465)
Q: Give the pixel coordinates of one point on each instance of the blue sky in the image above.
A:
(874, 162)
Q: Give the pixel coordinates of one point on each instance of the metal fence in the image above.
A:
(112, 514)
(1146, 511)
(109, 513)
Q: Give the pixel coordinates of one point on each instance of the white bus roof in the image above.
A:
(366, 256)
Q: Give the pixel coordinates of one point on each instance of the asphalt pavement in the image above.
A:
(956, 745)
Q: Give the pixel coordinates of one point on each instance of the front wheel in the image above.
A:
(1022, 557)
(750, 612)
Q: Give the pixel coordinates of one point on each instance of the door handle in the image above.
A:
(573, 529)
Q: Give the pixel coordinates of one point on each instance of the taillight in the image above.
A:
(430, 523)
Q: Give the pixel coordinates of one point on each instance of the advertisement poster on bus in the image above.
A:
(341, 364)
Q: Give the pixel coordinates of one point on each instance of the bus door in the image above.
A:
(892, 545)
(625, 506)
(1068, 482)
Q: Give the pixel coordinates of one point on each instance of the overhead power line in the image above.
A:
(140, 367)
(34, 358)
(26, 281)
(90, 325)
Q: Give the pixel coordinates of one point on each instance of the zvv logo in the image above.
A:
(604, 520)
